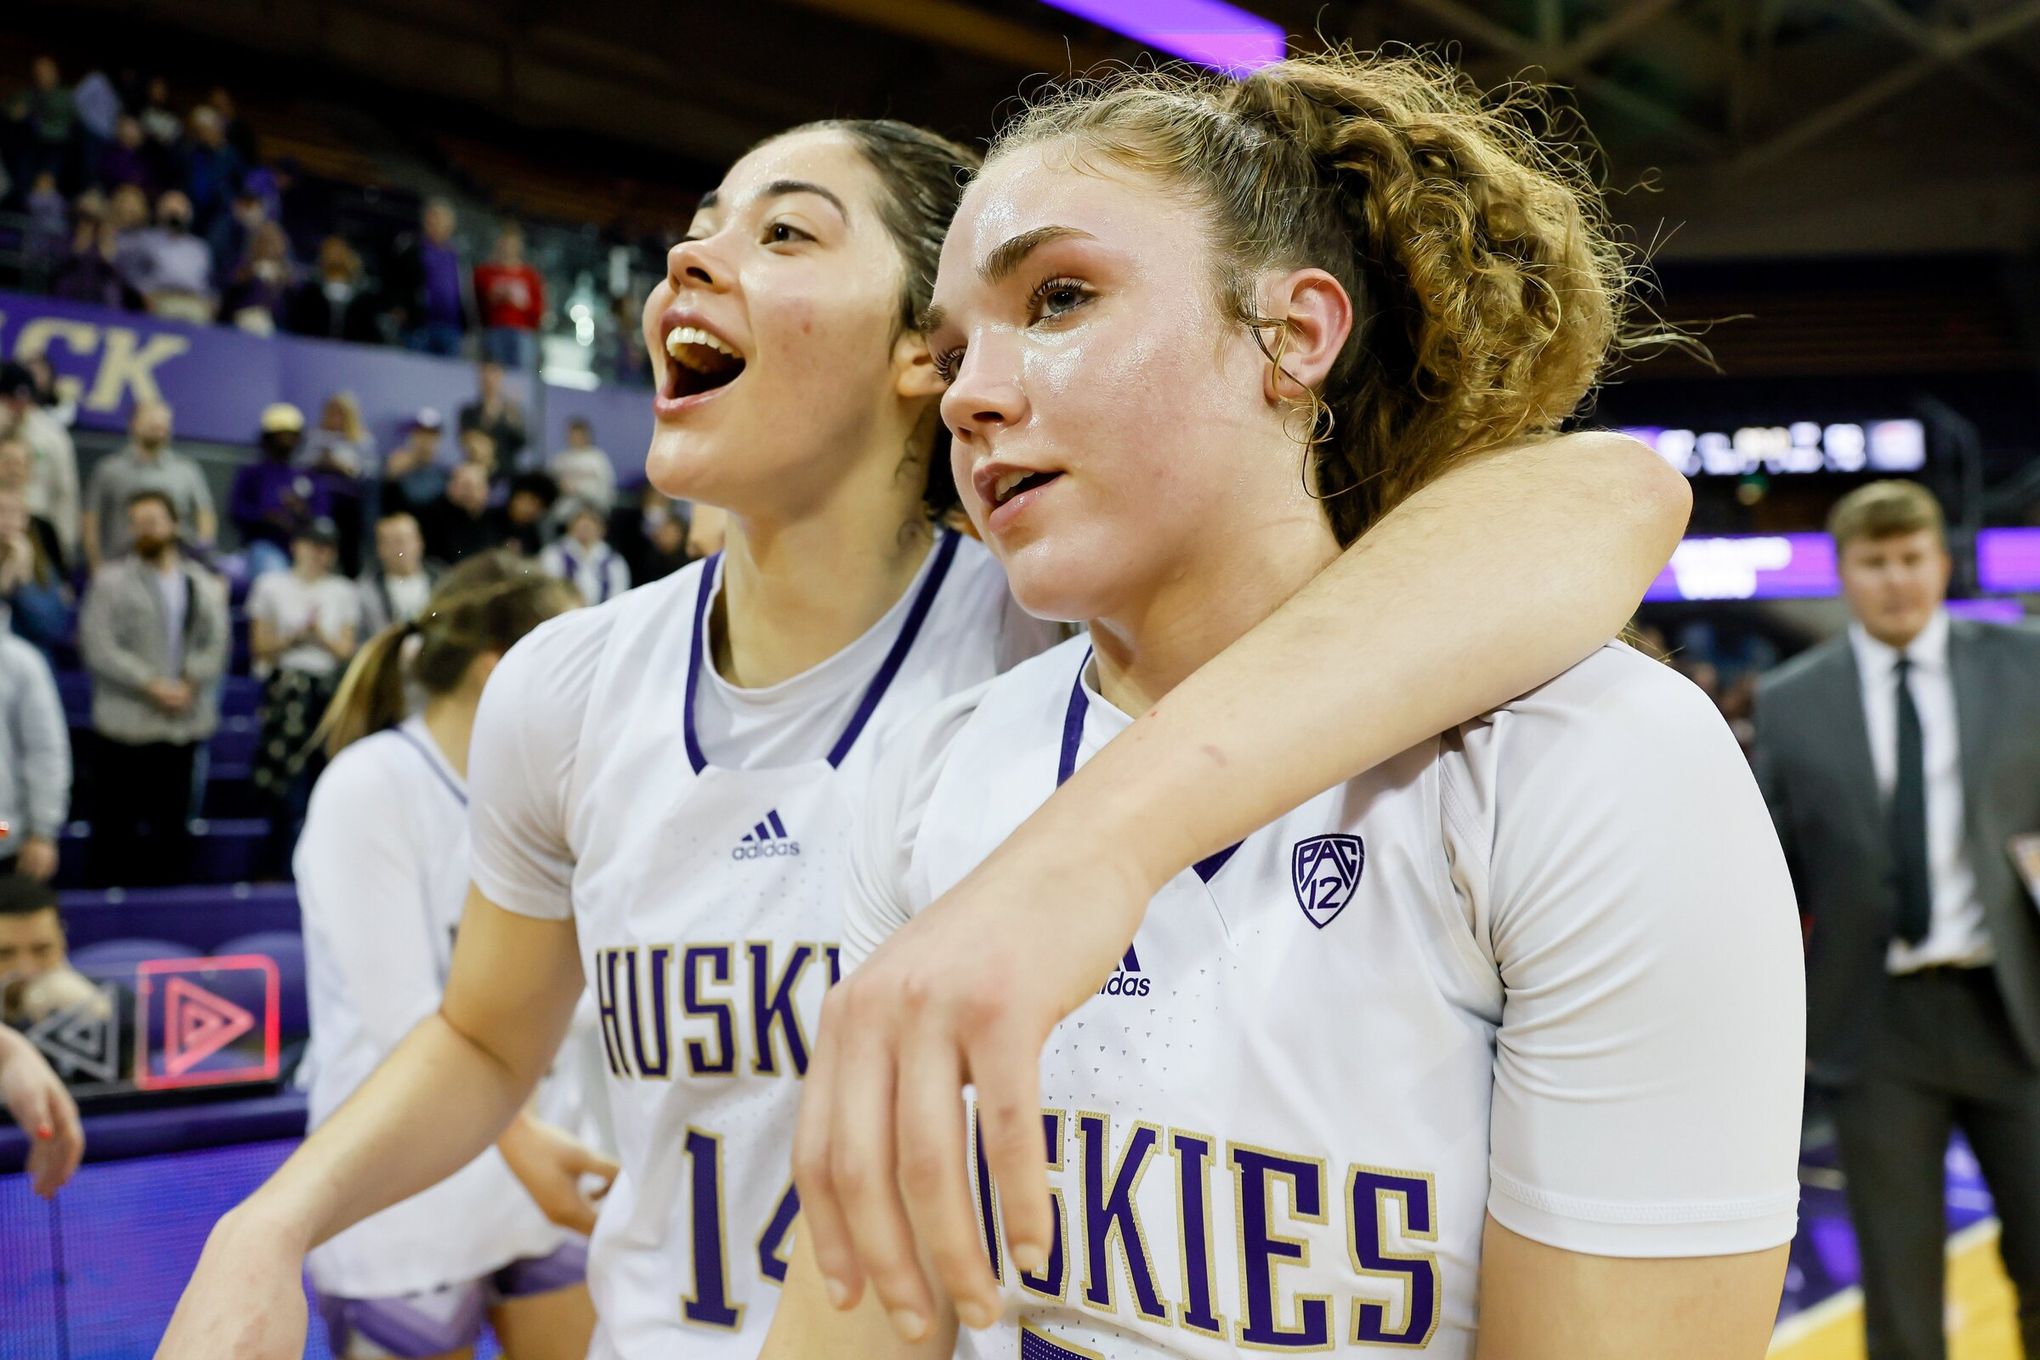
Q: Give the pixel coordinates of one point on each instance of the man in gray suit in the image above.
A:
(153, 632)
(1899, 762)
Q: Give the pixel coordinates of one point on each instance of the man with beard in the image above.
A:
(153, 632)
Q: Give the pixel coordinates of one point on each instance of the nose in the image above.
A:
(986, 395)
(690, 264)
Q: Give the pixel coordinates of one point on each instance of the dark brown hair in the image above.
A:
(483, 605)
(1487, 287)
(922, 175)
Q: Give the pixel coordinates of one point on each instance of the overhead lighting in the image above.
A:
(1209, 32)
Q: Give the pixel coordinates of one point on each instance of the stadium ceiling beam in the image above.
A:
(966, 29)
(1948, 49)
(1518, 47)
(1931, 42)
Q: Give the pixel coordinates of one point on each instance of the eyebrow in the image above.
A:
(1000, 264)
(778, 188)
(1008, 257)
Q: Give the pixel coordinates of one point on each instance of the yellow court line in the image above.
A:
(1982, 1316)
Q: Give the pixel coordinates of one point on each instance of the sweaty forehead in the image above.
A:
(1046, 186)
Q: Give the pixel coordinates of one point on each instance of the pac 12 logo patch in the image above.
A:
(206, 1022)
(1325, 871)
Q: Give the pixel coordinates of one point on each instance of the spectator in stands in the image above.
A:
(333, 305)
(582, 470)
(169, 266)
(256, 294)
(32, 943)
(652, 535)
(123, 161)
(584, 558)
(148, 463)
(499, 415)
(212, 170)
(52, 484)
(341, 446)
(35, 762)
(462, 522)
(45, 238)
(45, 114)
(159, 120)
(98, 105)
(127, 210)
(304, 624)
(396, 589)
(38, 1101)
(153, 632)
(429, 299)
(412, 476)
(34, 597)
(477, 448)
(87, 273)
(529, 511)
(239, 136)
(273, 498)
(510, 295)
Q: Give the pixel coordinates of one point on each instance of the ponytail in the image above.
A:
(484, 605)
(371, 694)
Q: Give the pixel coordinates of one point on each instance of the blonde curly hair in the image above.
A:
(1489, 289)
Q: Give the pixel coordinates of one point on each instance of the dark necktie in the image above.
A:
(1909, 816)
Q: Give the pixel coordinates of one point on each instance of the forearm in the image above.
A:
(1486, 584)
(432, 1107)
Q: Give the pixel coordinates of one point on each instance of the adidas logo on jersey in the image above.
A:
(767, 840)
(1125, 979)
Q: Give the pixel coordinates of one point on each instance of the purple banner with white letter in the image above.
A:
(218, 379)
(1749, 567)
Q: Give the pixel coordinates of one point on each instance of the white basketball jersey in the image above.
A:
(382, 875)
(1271, 1130)
(708, 902)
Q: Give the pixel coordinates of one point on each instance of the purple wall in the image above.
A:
(218, 379)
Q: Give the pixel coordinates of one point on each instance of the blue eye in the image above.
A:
(1057, 297)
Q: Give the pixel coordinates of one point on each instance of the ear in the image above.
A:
(1318, 316)
(914, 374)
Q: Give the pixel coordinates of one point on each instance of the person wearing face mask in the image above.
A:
(1902, 764)
(716, 730)
(255, 296)
(148, 463)
(333, 304)
(169, 265)
(153, 633)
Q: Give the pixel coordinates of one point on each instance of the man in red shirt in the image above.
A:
(511, 297)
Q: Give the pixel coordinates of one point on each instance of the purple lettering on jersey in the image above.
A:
(1263, 1249)
(1109, 1210)
(658, 1066)
(1325, 871)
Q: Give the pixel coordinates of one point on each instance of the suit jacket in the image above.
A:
(122, 635)
(1813, 763)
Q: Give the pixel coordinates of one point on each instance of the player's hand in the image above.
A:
(45, 1112)
(550, 1163)
(246, 1300)
(966, 993)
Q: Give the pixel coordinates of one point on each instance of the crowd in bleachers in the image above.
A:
(185, 652)
(128, 198)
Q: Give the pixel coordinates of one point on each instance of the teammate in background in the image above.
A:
(1497, 1046)
(626, 755)
(382, 871)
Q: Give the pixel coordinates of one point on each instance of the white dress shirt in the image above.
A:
(1957, 933)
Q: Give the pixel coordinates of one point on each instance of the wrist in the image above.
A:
(258, 1224)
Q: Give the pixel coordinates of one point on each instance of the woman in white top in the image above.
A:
(382, 871)
(583, 558)
(1495, 1049)
(663, 785)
